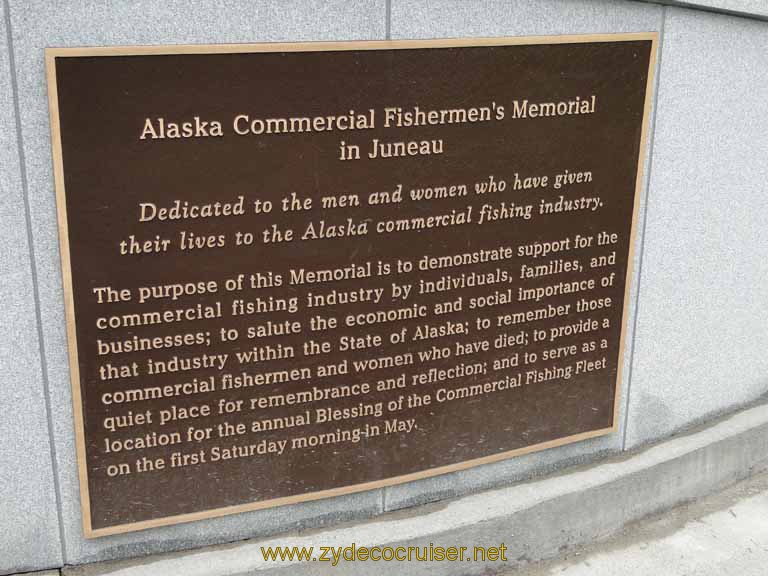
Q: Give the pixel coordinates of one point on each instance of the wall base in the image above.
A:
(535, 520)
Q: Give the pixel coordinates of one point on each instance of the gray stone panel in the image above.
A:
(29, 526)
(45, 23)
(446, 18)
(436, 18)
(758, 8)
(747, 7)
(702, 328)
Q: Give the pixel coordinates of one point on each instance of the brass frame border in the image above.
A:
(53, 102)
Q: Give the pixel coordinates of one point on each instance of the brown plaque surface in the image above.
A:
(296, 271)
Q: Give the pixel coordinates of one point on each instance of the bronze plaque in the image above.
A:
(294, 271)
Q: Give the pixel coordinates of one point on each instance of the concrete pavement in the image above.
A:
(721, 535)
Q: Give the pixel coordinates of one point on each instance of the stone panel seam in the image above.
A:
(33, 269)
(651, 147)
(388, 36)
(388, 20)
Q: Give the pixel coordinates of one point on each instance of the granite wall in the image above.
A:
(698, 319)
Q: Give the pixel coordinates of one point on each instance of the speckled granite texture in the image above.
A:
(698, 308)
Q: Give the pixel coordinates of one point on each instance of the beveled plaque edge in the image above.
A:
(52, 53)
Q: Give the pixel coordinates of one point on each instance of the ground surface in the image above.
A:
(722, 535)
